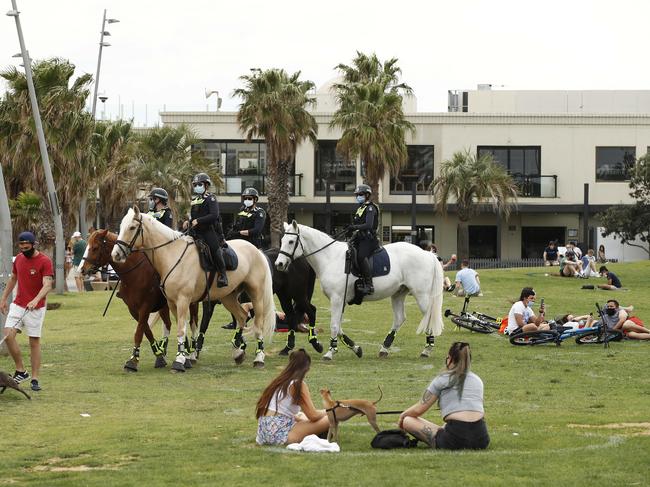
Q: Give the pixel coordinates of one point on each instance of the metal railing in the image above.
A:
(483, 263)
(234, 184)
(536, 186)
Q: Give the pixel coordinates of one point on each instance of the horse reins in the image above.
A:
(299, 241)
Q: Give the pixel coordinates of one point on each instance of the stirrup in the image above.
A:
(222, 280)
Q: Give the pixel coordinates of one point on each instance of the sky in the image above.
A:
(164, 54)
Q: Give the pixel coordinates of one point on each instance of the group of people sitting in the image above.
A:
(522, 318)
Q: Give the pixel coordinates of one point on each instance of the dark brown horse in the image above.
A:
(139, 289)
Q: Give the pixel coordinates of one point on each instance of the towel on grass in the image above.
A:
(314, 443)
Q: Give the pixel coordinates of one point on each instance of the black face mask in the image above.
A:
(28, 253)
(610, 311)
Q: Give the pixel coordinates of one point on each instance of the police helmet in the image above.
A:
(251, 192)
(159, 193)
(363, 189)
(202, 178)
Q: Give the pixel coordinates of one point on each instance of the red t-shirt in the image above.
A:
(30, 274)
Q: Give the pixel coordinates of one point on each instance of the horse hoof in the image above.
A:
(285, 351)
(238, 355)
(383, 352)
(358, 351)
(317, 346)
(194, 356)
(188, 363)
(330, 354)
(131, 366)
(426, 353)
(177, 367)
(160, 362)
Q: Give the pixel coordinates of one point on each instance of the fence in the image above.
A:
(498, 263)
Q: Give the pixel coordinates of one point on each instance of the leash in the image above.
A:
(389, 412)
(111, 297)
(20, 320)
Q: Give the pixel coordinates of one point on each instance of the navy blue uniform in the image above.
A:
(164, 216)
(365, 222)
(205, 210)
(251, 219)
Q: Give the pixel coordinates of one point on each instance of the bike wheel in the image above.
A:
(484, 317)
(533, 338)
(596, 337)
(472, 324)
(488, 321)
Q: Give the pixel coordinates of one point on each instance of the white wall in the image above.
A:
(614, 249)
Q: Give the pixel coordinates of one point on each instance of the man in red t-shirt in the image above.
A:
(33, 272)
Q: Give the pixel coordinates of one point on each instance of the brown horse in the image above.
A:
(139, 289)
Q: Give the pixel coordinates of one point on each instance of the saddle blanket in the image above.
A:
(379, 263)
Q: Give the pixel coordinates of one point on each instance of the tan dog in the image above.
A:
(338, 411)
(7, 381)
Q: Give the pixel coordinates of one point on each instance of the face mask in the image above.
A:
(531, 304)
(248, 203)
(361, 199)
(199, 189)
(152, 204)
(610, 311)
(28, 253)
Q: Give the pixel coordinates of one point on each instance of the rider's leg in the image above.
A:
(217, 256)
(365, 249)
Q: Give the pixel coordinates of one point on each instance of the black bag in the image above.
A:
(389, 439)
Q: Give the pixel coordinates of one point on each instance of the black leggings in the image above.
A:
(365, 248)
(459, 435)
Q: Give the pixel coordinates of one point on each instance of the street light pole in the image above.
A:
(51, 189)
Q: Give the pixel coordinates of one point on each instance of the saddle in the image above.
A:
(205, 257)
(379, 262)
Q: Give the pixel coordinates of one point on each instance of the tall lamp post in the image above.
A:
(51, 189)
(104, 33)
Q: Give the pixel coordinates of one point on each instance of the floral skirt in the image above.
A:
(273, 430)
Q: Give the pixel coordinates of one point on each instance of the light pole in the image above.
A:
(209, 93)
(103, 33)
(51, 189)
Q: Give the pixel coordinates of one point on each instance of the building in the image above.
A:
(565, 149)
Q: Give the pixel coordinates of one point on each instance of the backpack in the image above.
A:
(395, 438)
(504, 325)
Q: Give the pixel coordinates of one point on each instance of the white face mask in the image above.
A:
(361, 199)
(199, 189)
(248, 203)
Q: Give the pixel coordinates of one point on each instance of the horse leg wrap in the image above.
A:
(135, 355)
(313, 339)
(180, 349)
(238, 340)
(347, 341)
(156, 348)
(430, 340)
(388, 341)
(291, 339)
(163, 344)
(199, 342)
(334, 343)
(190, 345)
(260, 346)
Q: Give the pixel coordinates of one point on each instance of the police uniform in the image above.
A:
(205, 210)
(251, 219)
(365, 224)
(164, 216)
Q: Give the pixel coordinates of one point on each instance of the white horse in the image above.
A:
(176, 260)
(412, 270)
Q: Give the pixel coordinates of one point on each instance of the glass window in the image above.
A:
(341, 172)
(418, 170)
(519, 161)
(614, 163)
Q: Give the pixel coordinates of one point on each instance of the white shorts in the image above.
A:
(30, 321)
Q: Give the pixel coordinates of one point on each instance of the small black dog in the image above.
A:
(7, 381)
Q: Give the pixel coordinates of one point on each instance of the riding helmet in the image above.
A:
(363, 189)
(159, 193)
(202, 178)
(251, 192)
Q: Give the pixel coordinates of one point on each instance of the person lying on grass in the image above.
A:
(285, 412)
(460, 395)
(616, 318)
(522, 317)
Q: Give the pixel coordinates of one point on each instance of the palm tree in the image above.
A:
(473, 181)
(371, 116)
(274, 107)
(68, 130)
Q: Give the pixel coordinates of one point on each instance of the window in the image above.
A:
(418, 170)
(535, 239)
(614, 163)
(332, 166)
(524, 163)
(482, 241)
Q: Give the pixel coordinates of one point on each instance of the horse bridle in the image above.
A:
(127, 248)
(97, 266)
(298, 241)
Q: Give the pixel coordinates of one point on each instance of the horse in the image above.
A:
(140, 291)
(294, 289)
(183, 281)
(412, 270)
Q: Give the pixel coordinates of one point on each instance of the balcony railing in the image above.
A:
(234, 184)
(536, 186)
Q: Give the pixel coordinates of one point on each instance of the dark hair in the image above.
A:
(603, 269)
(525, 292)
(460, 360)
(434, 248)
(295, 371)
(613, 301)
(464, 263)
(601, 247)
(552, 242)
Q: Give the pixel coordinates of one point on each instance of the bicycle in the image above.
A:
(474, 321)
(583, 336)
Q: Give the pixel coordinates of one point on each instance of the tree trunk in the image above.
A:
(462, 244)
(278, 192)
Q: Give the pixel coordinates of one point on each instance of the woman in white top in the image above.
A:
(285, 412)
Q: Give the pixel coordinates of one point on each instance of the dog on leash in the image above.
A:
(7, 381)
(338, 411)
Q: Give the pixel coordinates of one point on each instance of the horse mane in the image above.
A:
(161, 227)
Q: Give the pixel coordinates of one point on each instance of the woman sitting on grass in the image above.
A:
(285, 412)
(460, 394)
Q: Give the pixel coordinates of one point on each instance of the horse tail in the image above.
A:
(431, 323)
(268, 302)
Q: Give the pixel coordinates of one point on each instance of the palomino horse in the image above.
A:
(184, 282)
(412, 270)
(140, 291)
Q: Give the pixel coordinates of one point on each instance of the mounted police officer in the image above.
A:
(158, 208)
(206, 222)
(249, 223)
(364, 233)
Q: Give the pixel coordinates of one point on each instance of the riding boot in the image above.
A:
(366, 272)
(222, 278)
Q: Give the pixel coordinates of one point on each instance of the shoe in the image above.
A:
(21, 376)
(451, 288)
(35, 385)
(229, 326)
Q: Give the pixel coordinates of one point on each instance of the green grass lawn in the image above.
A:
(198, 428)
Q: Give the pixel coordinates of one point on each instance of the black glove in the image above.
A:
(349, 230)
